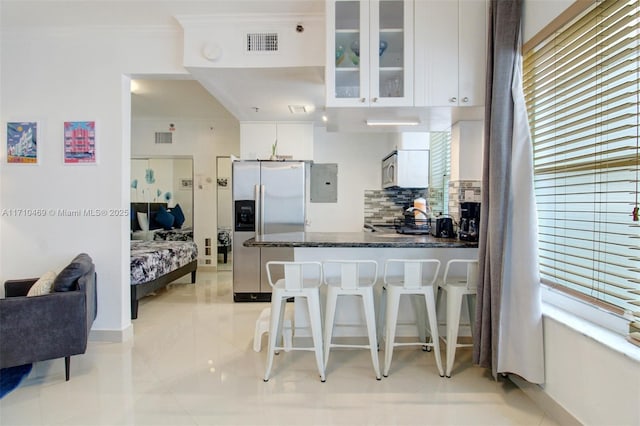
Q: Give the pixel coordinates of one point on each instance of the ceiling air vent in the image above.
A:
(262, 42)
(164, 137)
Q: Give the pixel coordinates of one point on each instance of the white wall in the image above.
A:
(202, 139)
(466, 150)
(593, 383)
(358, 156)
(183, 169)
(224, 194)
(52, 74)
(539, 13)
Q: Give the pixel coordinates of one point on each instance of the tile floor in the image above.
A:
(192, 363)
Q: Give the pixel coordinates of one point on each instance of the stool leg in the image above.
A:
(370, 318)
(471, 305)
(276, 305)
(313, 301)
(287, 334)
(421, 319)
(329, 317)
(454, 303)
(257, 335)
(433, 325)
(281, 323)
(381, 315)
(393, 299)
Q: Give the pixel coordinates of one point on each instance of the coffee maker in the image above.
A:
(469, 221)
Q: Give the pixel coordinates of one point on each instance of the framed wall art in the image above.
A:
(80, 142)
(22, 142)
(186, 184)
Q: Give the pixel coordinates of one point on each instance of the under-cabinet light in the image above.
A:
(392, 122)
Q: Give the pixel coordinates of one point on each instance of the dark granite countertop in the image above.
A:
(355, 239)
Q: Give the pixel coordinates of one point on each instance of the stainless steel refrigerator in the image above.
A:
(268, 198)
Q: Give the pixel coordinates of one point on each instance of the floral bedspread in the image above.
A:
(173, 234)
(152, 259)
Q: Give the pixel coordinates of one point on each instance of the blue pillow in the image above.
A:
(153, 223)
(178, 215)
(164, 218)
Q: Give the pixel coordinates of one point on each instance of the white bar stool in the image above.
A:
(417, 277)
(262, 326)
(301, 280)
(354, 278)
(457, 287)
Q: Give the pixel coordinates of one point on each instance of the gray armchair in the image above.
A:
(49, 326)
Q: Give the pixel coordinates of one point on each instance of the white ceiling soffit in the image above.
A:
(264, 94)
(174, 98)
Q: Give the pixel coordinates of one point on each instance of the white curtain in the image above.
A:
(520, 342)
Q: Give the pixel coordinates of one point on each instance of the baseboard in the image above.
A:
(207, 268)
(545, 402)
(112, 336)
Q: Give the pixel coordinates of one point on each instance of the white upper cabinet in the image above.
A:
(369, 53)
(451, 46)
(295, 140)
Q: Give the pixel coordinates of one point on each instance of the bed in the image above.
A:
(158, 256)
(154, 264)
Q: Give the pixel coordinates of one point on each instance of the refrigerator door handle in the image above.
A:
(258, 212)
(261, 209)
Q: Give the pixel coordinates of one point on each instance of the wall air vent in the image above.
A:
(262, 42)
(164, 137)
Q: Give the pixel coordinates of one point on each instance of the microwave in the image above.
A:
(406, 169)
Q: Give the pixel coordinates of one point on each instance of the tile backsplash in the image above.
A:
(385, 205)
(461, 191)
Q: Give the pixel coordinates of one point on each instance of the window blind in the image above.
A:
(582, 89)
(440, 171)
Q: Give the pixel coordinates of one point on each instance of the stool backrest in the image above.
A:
(351, 273)
(471, 276)
(415, 272)
(297, 275)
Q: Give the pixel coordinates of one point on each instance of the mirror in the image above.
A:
(163, 180)
(224, 224)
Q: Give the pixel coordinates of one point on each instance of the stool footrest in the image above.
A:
(412, 344)
(337, 345)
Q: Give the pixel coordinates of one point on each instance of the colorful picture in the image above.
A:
(22, 142)
(79, 142)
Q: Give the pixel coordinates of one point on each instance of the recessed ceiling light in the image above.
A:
(324, 118)
(390, 122)
(298, 109)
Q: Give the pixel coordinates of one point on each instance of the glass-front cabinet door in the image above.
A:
(370, 53)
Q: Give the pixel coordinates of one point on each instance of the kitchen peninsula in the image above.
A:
(378, 246)
(356, 240)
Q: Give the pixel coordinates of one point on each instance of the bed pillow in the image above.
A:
(164, 218)
(153, 223)
(44, 285)
(178, 215)
(143, 221)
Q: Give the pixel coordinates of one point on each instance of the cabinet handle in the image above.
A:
(375, 99)
(454, 99)
(362, 100)
(465, 99)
